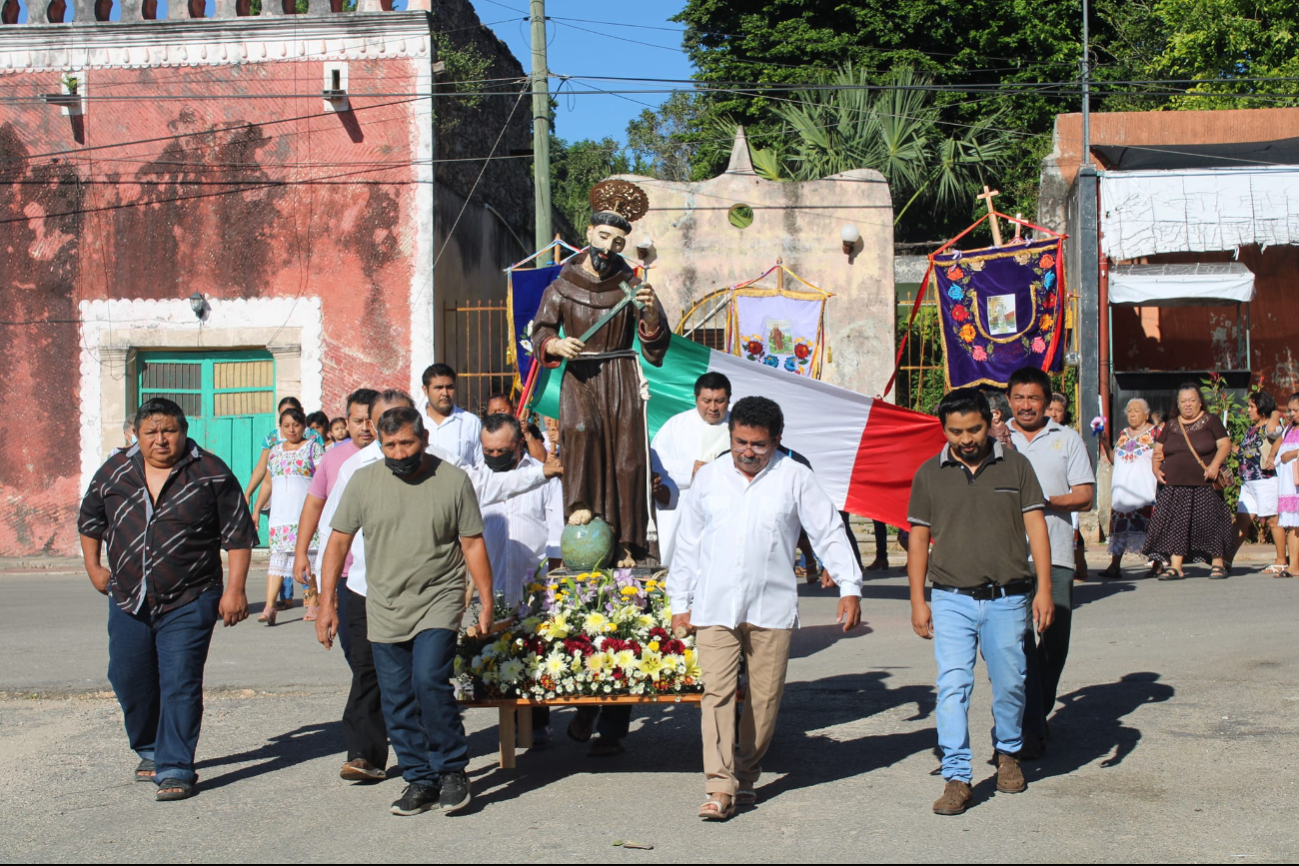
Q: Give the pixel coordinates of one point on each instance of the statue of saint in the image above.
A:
(602, 434)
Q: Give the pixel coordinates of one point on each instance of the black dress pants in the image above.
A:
(363, 725)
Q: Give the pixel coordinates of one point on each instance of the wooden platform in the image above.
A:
(512, 720)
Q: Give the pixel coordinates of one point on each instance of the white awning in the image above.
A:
(1197, 210)
(1210, 284)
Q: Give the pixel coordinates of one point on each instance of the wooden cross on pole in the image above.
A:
(1018, 225)
(992, 215)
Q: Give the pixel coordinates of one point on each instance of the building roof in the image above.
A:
(1136, 157)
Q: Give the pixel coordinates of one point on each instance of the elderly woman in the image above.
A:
(1258, 484)
(1133, 487)
(1190, 518)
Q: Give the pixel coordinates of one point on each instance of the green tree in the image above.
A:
(574, 169)
(663, 141)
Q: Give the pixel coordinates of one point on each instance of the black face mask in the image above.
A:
(502, 462)
(405, 467)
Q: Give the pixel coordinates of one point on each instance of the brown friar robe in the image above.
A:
(601, 414)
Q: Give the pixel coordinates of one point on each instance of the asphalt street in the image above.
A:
(1175, 740)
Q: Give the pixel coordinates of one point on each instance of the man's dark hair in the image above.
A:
(296, 414)
(499, 395)
(758, 412)
(289, 401)
(998, 403)
(391, 422)
(963, 400)
(392, 395)
(713, 382)
(1263, 402)
(492, 423)
(609, 218)
(318, 418)
(438, 371)
(361, 397)
(161, 406)
(1030, 376)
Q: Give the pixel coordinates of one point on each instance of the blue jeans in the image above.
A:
(963, 625)
(419, 705)
(156, 667)
(286, 589)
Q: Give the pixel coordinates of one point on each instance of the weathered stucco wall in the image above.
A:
(223, 177)
(697, 250)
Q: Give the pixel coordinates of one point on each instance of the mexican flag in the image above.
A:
(864, 451)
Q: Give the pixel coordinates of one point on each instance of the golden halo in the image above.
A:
(621, 197)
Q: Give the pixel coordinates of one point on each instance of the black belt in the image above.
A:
(990, 591)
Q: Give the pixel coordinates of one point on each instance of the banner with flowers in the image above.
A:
(598, 634)
(1002, 309)
(780, 331)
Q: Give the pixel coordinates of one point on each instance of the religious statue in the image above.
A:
(601, 306)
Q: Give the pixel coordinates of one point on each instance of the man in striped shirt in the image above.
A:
(166, 509)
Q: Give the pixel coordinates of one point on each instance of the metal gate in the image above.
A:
(475, 335)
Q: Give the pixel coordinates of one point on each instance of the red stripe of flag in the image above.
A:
(893, 445)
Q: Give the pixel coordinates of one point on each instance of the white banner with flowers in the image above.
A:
(780, 331)
(597, 634)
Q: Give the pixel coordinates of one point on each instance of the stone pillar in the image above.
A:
(132, 10)
(288, 369)
(319, 7)
(273, 8)
(113, 407)
(225, 9)
(83, 11)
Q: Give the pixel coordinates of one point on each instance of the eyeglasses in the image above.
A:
(760, 451)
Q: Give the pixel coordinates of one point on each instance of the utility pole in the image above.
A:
(1086, 89)
(540, 129)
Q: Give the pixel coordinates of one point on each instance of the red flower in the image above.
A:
(955, 273)
(960, 314)
(753, 347)
(1047, 261)
(1050, 300)
(802, 350)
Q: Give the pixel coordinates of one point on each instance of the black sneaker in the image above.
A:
(455, 792)
(416, 799)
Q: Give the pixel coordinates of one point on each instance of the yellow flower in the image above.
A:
(967, 333)
(553, 587)
(654, 646)
(610, 626)
(625, 659)
(594, 623)
(629, 591)
(651, 665)
(535, 587)
(556, 629)
(1047, 322)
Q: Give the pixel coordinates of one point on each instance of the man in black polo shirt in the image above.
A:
(984, 509)
(165, 508)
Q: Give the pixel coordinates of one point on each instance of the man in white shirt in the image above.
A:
(732, 579)
(687, 442)
(363, 701)
(534, 438)
(451, 429)
(522, 532)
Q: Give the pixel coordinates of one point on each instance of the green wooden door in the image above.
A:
(228, 398)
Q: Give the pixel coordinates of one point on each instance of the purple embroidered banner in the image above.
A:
(1001, 309)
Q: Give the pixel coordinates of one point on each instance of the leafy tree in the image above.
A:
(663, 142)
(574, 169)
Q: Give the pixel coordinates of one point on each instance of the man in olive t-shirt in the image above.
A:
(982, 506)
(424, 535)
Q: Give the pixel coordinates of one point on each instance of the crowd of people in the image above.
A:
(1167, 499)
(396, 513)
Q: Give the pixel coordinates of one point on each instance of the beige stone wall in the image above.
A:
(697, 249)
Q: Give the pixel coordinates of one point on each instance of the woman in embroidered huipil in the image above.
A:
(1258, 486)
(291, 464)
(1134, 486)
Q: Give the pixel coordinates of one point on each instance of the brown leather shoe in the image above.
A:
(955, 800)
(1010, 778)
(361, 770)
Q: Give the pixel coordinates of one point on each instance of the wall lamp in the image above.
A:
(849, 234)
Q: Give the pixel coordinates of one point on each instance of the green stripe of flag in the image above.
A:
(672, 386)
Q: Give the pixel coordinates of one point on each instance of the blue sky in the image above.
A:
(638, 41)
(597, 39)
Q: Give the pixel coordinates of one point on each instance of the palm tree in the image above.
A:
(891, 125)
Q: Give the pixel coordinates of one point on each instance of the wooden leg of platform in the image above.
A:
(507, 737)
(525, 727)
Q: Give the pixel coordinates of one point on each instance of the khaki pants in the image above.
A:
(766, 655)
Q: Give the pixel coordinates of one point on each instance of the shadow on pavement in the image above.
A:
(668, 741)
(811, 640)
(1092, 591)
(1089, 726)
(286, 750)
